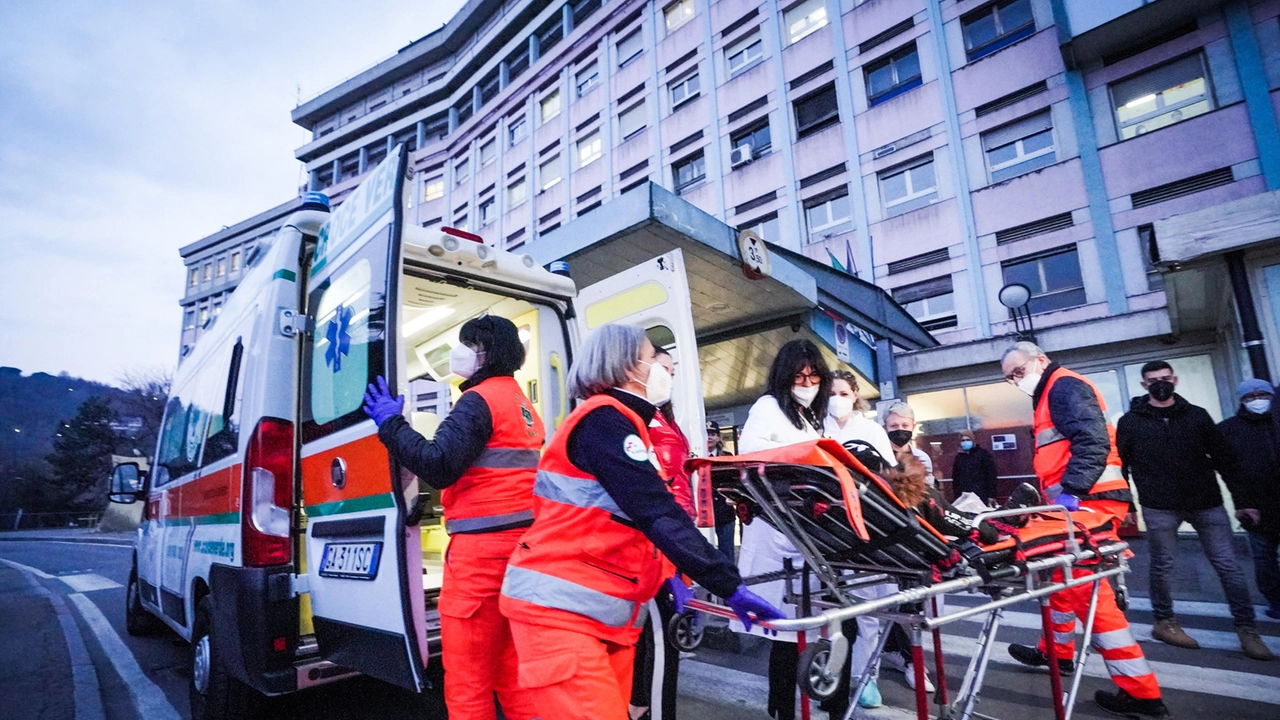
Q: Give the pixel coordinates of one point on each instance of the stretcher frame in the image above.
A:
(821, 665)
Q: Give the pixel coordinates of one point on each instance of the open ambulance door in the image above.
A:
(364, 566)
(655, 296)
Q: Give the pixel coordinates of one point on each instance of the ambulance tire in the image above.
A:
(137, 621)
(813, 676)
(222, 696)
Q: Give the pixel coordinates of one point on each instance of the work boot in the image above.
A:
(1125, 705)
(1170, 632)
(1032, 657)
(1253, 646)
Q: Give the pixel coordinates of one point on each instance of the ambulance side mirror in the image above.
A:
(126, 483)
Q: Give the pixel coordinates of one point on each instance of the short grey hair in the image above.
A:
(1029, 350)
(900, 409)
(604, 359)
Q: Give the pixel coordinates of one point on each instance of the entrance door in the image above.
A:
(364, 564)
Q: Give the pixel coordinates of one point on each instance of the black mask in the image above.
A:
(1161, 390)
(899, 437)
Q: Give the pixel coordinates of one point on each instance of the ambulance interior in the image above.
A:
(432, 314)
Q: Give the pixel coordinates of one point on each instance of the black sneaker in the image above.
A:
(1125, 705)
(1032, 657)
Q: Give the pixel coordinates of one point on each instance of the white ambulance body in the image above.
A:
(278, 536)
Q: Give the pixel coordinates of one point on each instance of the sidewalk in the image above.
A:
(70, 535)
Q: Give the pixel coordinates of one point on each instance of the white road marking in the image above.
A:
(148, 698)
(88, 582)
(1200, 609)
(28, 569)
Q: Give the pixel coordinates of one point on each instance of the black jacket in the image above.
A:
(1075, 412)
(974, 471)
(1171, 456)
(1255, 480)
(458, 441)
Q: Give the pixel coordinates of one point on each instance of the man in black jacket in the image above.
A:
(974, 470)
(1255, 486)
(1170, 449)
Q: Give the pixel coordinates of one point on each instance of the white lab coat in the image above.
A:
(859, 427)
(764, 548)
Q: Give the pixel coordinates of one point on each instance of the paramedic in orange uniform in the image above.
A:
(577, 587)
(1079, 469)
(483, 457)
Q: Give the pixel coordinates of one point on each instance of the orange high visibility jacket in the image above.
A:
(1053, 450)
(496, 492)
(582, 566)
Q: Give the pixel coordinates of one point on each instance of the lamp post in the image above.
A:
(1015, 296)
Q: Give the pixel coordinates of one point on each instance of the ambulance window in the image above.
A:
(223, 436)
(180, 438)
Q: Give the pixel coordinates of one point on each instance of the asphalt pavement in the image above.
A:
(64, 654)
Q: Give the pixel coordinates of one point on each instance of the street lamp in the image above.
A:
(1015, 296)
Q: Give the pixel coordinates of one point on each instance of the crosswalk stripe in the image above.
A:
(88, 582)
(1190, 608)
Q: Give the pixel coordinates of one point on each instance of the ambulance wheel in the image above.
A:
(215, 695)
(684, 632)
(815, 678)
(137, 621)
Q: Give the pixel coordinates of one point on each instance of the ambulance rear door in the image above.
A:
(364, 566)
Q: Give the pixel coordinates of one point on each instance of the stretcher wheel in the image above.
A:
(813, 674)
(1122, 597)
(684, 632)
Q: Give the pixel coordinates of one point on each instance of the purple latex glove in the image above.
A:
(744, 602)
(379, 404)
(1068, 501)
(680, 592)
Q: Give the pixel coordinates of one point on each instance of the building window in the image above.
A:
(488, 152)
(587, 78)
(489, 89)
(632, 120)
(517, 129)
(997, 26)
(516, 193)
(630, 47)
(518, 63)
(465, 108)
(221, 268)
(756, 137)
(684, 90)
(804, 19)
(462, 171)
(217, 308)
(433, 188)
(1019, 147)
(550, 34)
(816, 111)
(583, 9)
(893, 74)
(677, 14)
(488, 212)
(588, 149)
(766, 227)
(1161, 96)
(1150, 256)
(1054, 279)
(235, 261)
(549, 173)
(207, 273)
(743, 54)
(550, 106)
(908, 187)
(193, 277)
(689, 172)
(204, 316)
(828, 215)
(189, 320)
(349, 167)
(932, 302)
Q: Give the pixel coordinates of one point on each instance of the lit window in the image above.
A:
(549, 173)
(932, 302)
(893, 74)
(207, 274)
(222, 268)
(804, 19)
(630, 47)
(1020, 147)
(910, 187)
(550, 106)
(204, 316)
(997, 26)
(433, 188)
(235, 261)
(632, 120)
(587, 78)
(193, 277)
(461, 171)
(684, 90)
(217, 309)
(1161, 96)
(588, 149)
(488, 212)
(678, 13)
(689, 172)
(516, 131)
(828, 215)
(1054, 278)
(462, 222)
(816, 111)
(488, 152)
(743, 54)
(516, 193)
(189, 320)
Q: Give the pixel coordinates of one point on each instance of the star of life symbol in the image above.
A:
(339, 336)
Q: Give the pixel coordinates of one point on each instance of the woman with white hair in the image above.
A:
(577, 586)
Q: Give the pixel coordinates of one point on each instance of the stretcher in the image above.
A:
(852, 531)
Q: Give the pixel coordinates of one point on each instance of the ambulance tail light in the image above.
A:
(266, 495)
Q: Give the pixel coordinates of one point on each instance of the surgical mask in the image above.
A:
(839, 406)
(658, 388)
(806, 394)
(966, 444)
(900, 438)
(463, 361)
(1161, 390)
(1028, 383)
(1259, 406)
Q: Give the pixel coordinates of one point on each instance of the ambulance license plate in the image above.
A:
(355, 561)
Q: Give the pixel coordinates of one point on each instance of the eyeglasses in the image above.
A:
(1018, 373)
(806, 379)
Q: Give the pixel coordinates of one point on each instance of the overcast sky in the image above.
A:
(130, 129)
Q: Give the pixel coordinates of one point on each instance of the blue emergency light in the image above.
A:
(315, 201)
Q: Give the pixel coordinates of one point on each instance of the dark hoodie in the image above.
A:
(1170, 455)
(1256, 482)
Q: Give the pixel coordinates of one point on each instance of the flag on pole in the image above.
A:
(834, 262)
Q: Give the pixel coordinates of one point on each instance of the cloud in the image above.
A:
(128, 130)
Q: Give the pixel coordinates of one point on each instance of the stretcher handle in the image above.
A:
(1041, 509)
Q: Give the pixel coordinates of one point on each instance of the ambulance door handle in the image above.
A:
(338, 473)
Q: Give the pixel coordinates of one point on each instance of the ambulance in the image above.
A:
(278, 536)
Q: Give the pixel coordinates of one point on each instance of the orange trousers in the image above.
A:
(1111, 636)
(572, 675)
(478, 653)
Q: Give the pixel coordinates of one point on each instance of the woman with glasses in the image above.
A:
(791, 411)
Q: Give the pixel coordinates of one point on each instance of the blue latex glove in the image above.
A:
(743, 602)
(1068, 501)
(680, 592)
(379, 404)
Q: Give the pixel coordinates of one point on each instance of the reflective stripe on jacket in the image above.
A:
(1053, 449)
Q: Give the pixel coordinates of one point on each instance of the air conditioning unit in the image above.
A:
(741, 155)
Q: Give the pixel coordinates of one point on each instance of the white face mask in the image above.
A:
(658, 389)
(1258, 406)
(839, 406)
(463, 361)
(805, 394)
(1028, 383)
